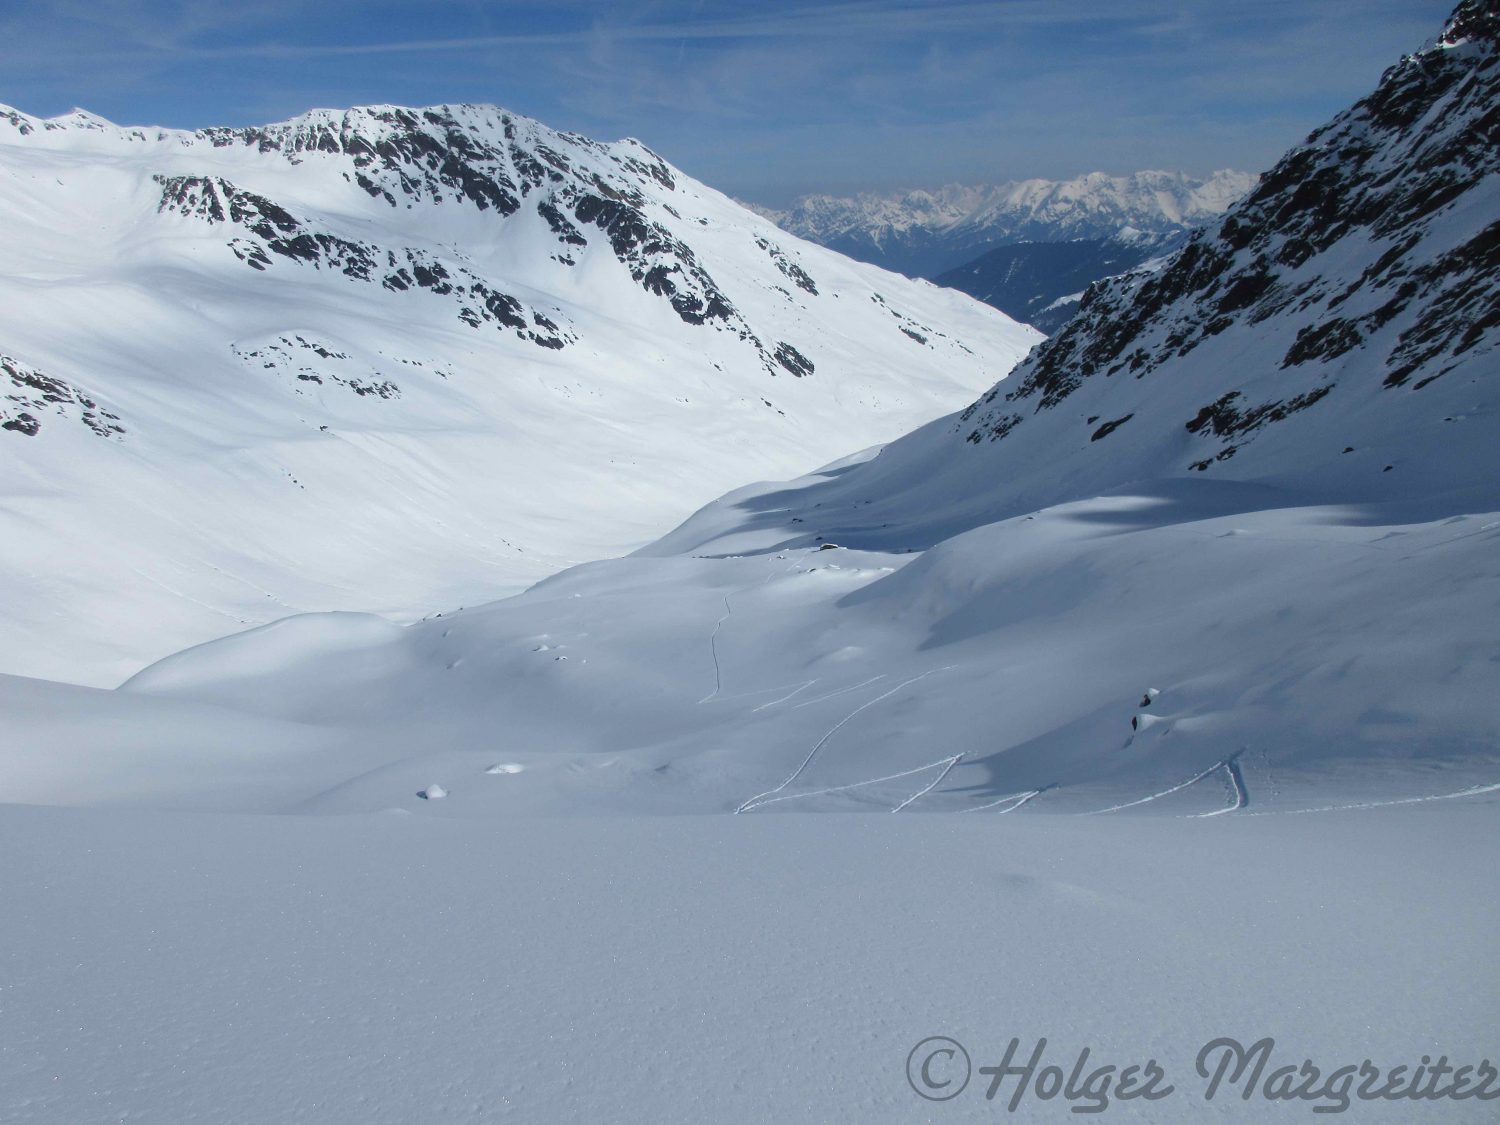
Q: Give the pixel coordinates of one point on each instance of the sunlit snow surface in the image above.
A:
(327, 415)
(1164, 713)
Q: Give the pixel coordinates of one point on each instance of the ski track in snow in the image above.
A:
(953, 761)
(1237, 783)
(841, 691)
(713, 648)
(760, 798)
(1236, 778)
(1471, 791)
(946, 763)
(1023, 798)
(1197, 777)
(756, 692)
(799, 688)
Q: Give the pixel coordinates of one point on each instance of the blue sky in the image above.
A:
(765, 100)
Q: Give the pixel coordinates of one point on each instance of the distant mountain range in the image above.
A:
(1000, 243)
(926, 233)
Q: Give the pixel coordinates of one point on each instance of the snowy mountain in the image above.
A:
(1334, 332)
(1261, 479)
(925, 233)
(401, 359)
(1223, 540)
(1194, 613)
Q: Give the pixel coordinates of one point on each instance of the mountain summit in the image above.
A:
(400, 359)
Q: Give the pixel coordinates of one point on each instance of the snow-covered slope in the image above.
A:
(924, 233)
(1335, 334)
(400, 360)
(1227, 540)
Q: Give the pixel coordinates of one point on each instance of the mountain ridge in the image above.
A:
(1197, 557)
(1360, 270)
(244, 365)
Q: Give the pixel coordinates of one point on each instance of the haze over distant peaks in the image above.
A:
(927, 231)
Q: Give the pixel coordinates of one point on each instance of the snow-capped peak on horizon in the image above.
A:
(375, 117)
(929, 230)
(1155, 198)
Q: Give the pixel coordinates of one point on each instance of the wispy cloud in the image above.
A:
(764, 99)
(184, 35)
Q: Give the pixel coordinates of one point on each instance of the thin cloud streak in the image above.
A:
(842, 21)
(793, 97)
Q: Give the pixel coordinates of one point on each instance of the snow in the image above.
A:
(380, 969)
(931, 231)
(740, 672)
(261, 473)
(1148, 199)
(664, 838)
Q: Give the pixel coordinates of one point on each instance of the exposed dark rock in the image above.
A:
(405, 269)
(793, 272)
(561, 226)
(1109, 427)
(994, 428)
(1388, 172)
(1223, 418)
(22, 423)
(658, 261)
(793, 360)
(30, 391)
(337, 368)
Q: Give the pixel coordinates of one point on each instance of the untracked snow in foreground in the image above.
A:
(387, 969)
